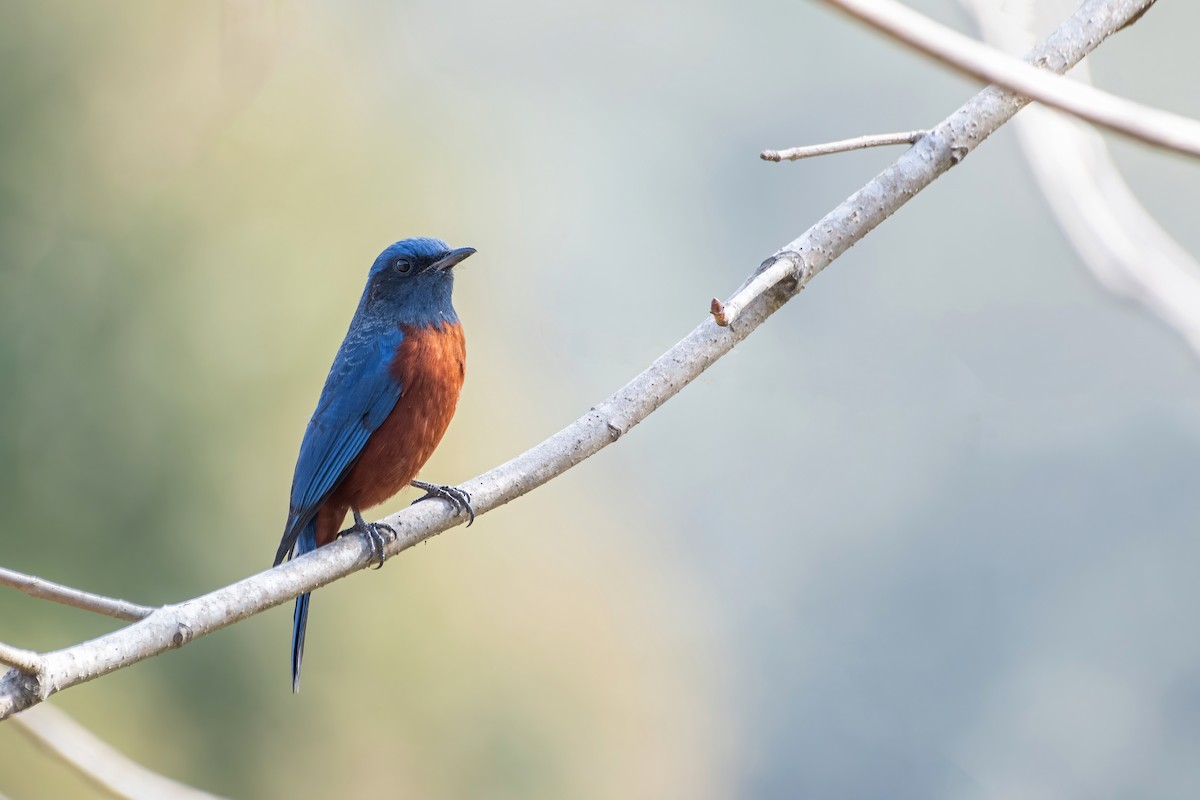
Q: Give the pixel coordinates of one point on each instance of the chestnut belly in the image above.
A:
(430, 365)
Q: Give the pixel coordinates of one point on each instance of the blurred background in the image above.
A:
(946, 544)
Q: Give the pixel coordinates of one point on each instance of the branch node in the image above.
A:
(717, 309)
(183, 634)
(18, 691)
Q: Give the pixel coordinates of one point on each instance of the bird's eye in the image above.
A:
(402, 265)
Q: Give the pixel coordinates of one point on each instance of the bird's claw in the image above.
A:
(378, 535)
(459, 499)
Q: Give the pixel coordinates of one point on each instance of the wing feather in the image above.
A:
(359, 394)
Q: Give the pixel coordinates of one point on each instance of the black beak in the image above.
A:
(453, 257)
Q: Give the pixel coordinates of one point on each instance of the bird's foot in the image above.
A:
(378, 535)
(460, 499)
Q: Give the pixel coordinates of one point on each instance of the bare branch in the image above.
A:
(76, 598)
(24, 660)
(1116, 237)
(56, 731)
(841, 146)
(941, 148)
(1150, 125)
(791, 269)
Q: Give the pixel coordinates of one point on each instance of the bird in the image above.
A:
(389, 397)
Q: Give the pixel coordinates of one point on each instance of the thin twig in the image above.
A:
(97, 761)
(795, 265)
(1150, 125)
(25, 660)
(842, 146)
(76, 598)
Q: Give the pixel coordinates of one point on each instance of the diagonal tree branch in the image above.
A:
(76, 598)
(1150, 125)
(790, 270)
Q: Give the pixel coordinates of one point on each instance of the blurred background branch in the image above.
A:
(55, 730)
(955, 136)
(1150, 125)
(1123, 245)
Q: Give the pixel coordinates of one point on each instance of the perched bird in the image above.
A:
(389, 397)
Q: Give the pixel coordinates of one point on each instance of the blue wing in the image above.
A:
(358, 396)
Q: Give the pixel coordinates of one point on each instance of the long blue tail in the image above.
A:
(306, 541)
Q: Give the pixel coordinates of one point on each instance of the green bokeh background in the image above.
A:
(931, 532)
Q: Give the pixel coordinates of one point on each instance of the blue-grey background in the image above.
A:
(930, 532)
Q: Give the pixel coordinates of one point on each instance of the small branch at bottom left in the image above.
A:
(98, 761)
(24, 660)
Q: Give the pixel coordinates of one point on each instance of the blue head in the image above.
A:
(411, 282)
